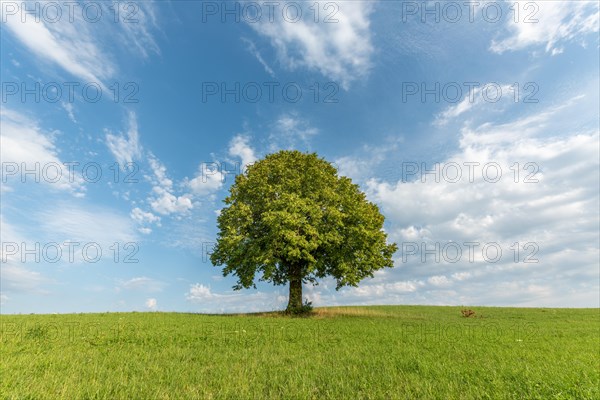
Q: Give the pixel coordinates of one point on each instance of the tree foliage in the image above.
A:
(290, 218)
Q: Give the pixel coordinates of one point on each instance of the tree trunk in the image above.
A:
(295, 301)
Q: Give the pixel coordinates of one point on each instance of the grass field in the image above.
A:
(382, 352)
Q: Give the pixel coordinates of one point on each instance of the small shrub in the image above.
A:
(467, 313)
(306, 308)
(37, 332)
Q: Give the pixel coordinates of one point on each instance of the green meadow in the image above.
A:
(378, 352)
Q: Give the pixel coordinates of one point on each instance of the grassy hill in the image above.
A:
(380, 352)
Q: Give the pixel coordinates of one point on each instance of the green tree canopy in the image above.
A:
(290, 218)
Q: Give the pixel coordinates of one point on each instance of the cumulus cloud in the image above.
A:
(163, 200)
(151, 304)
(383, 289)
(439, 280)
(199, 292)
(208, 179)
(543, 209)
(141, 216)
(206, 300)
(286, 131)
(143, 219)
(543, 196)
(240, 148)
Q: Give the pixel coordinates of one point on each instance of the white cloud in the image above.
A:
(70, 110)
(126, 149)
(208, 301)
(199, 292)
(289, 131)
(208, 179)
(69, 45)
(461, 276)
(84, 223)
(340, 49)
(14, 276)
(558, 22)
(382, 290)
(368, 161)
(143, 218)
(163, 201)
(439, 280)
(24, 143)
(239, 147)
(151, 304)
(145, 230)
(480, 96)
(137, 36)
(556, 214)
(528, 126)
(159, 171)
(141, 283)
(78, 46)
(254, 51)
(467, 206)
(412, 233)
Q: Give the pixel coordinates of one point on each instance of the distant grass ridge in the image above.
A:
(378, 352)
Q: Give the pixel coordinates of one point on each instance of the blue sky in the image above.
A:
(168, 96)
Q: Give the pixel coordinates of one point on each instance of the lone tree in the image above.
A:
(291, 218)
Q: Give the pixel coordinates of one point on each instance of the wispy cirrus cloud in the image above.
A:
(126, 148)
(552, 24)
(141, 283)
(77, 44)
(289, 131)
(338, 45)
(26, 145)
(18, 279)
(476, 98)
(71, 46)
(85, 223)
(15, 275)
(256, 53)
